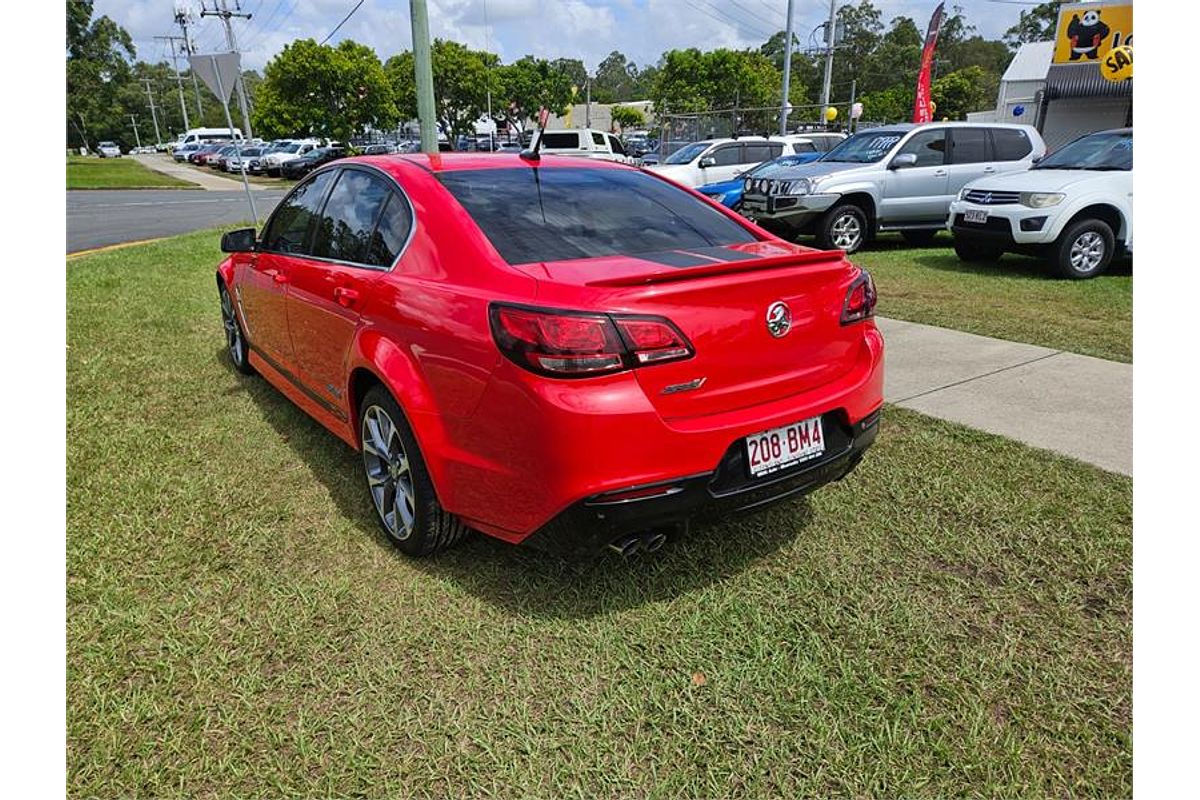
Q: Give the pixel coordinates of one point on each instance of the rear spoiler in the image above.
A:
(833, 259)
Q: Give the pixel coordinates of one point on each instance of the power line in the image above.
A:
(343, 22)
(751, 13)
(727, 19)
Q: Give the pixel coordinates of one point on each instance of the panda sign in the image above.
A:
(1089, 32)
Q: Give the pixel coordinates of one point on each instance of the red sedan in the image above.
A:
(566, 353)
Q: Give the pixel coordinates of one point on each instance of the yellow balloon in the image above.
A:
(932, 108)
(1118, 64)
(830, 114)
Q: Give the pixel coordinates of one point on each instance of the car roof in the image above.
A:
(454, 162)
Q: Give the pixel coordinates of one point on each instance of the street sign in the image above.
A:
(219, 71)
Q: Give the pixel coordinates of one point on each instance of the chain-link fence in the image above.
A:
(678, 130)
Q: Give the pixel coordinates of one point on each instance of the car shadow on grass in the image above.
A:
(523, 582)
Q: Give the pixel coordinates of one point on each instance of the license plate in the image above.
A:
(976, 215)
(779, 448)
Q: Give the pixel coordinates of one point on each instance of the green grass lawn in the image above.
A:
(117, 173)
(952, 619)
(1016, 299)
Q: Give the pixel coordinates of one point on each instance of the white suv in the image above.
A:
(716, 160)
(287, 152)
(583, 143)
(1074, 207)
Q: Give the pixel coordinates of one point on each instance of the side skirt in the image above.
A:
(291, 388)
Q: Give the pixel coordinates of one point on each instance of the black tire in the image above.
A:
(1090, 242)
(968, 250)
(431, 528)
(843, 227)
(919, 238)
(237, 346)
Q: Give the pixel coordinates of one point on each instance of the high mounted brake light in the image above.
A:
(860, 299)
(576, 344)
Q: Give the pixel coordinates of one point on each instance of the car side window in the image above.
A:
(345, 226)
(615, 144)
(969, 146)
(804, 147)
(928, 146)
(1010, 144)
(756, 153)
(728, 155)
(598, 139)
(391, 233)
(287, 232)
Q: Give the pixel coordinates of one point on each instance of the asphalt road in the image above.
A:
(96, 218)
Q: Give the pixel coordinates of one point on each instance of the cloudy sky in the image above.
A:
(587, 29)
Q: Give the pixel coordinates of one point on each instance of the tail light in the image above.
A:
(860, 299)
(579, 344)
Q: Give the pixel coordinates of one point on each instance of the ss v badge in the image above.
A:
(691, 385)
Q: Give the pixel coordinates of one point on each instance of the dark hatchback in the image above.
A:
(299, 167)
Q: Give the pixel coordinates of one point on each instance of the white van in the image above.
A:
(201, 135)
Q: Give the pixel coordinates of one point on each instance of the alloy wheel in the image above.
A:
(389, 475)
(1087, 252)
(233, 331)
(846, 232)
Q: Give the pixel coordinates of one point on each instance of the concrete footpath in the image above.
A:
(204, 178)
(1075, 405)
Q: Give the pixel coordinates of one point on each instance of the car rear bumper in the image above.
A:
(536, 450)
(591, 524)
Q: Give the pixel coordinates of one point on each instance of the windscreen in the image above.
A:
(563, 213)
(1098, 151)
(865, 148)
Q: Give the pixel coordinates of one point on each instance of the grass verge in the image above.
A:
(1016, 299)
(952, 619)
(117, 173)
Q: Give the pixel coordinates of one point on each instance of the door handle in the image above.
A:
(989, 169)
(939, 173)
(345, 296)
(276, 275)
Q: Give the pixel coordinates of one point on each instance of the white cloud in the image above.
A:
(586, 29)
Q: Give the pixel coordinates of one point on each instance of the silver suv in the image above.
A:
(895, 178)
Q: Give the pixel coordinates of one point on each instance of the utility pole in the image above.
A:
(181, 18)
(487, 33)
(136, 137)
(153, 112)
(787, 73)
(225, 14)
(850, 114)
(587, 116)
(829, 33)
(423, 66)
(187, 125)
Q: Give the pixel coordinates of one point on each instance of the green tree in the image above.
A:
(894, 104)
(321, 90)
(529, 84)
(628, 117)
(960, 92)
(574, 70)
(863, 33)
(616, 79)
(689, 80)
(461, 78)
(1035, 25)
(98, 72)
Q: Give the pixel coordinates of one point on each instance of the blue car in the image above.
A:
(729, 193)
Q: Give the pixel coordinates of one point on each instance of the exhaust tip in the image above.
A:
(626, 546)
(653, 540)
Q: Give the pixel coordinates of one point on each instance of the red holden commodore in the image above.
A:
(567, 353)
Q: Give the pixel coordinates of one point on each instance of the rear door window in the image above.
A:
(969, 146)
(288, 230)
(560, 213)
(348, 220)
(928, 146)
(804, 147)
(598, 139)
(728, 155)
(615, 144)
(391, 232)
(1010, 144)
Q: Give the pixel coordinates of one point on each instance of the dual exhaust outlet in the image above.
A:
(633, 543)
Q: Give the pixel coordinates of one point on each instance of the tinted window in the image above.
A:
(553, 214)
(928, 146)
(804, 147)
(561, 140)
(598, 138)
(730, 154)
(1010, 144)
(391, 232)
(970, 145)
(288, 229)
(346, 224)
(615, 144)
(1098, 151)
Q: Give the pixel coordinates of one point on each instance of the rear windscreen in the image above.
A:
(564, 213)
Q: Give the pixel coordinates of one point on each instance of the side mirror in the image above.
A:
(707, 161)
(239, 241)
(903, 160)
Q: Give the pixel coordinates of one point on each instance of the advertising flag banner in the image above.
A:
(922, 108)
